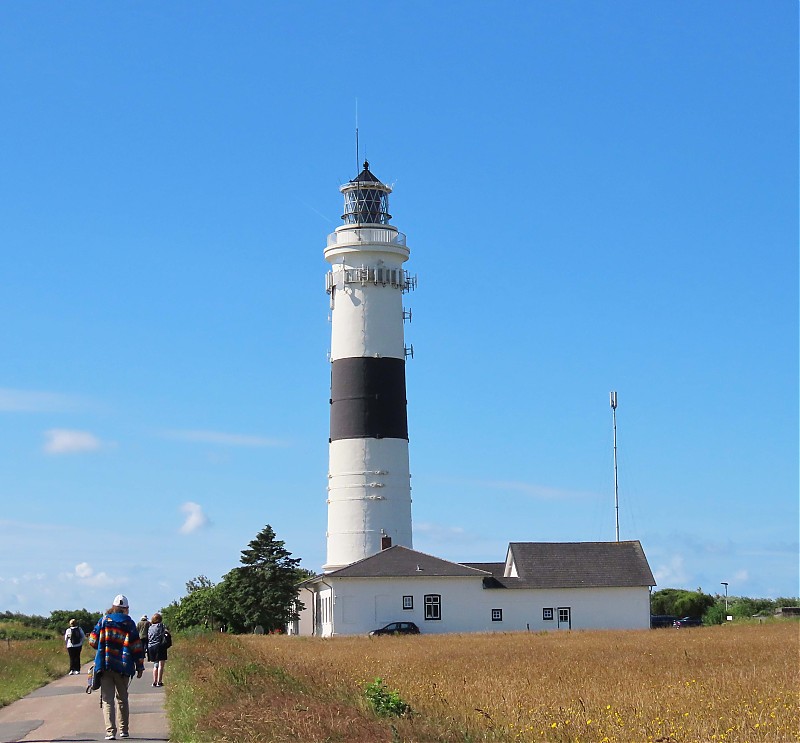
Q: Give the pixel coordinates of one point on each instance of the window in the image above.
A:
(497, 615)
(408, 602)
(547, 614)
(433, 606)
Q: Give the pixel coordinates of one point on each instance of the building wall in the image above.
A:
(363, 604)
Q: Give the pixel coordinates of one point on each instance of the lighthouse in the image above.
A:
(369, 487)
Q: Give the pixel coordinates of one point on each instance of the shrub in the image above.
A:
(385, 702)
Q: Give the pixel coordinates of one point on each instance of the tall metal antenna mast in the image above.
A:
(358, 161)
(616, 486)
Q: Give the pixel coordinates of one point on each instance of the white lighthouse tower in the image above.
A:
(369, 489)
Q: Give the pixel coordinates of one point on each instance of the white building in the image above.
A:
(372, 575)
(540, 586)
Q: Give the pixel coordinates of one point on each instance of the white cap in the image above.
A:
(120, 600)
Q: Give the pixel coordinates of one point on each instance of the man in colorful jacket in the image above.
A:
(119, 656)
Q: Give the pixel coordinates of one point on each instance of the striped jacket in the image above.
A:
(119, 649)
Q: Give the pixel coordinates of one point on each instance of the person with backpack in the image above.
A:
(159, 641)
(119, 657)
(74, 637)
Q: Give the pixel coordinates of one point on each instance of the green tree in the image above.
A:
(716, 614)
(59, 619)
(742, 607)
(680, 603)
(201, 607)
(693, 604)
(263, 590)
(663, 601)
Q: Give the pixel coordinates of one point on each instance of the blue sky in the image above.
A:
(596, 195)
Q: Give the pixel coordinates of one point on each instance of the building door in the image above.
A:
(564, 617)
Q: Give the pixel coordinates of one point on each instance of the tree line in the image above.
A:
(262, 592)
(711, 608)
(35, 626)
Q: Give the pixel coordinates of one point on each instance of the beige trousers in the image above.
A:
(113, 684)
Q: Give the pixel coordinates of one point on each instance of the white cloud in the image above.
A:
(64, 441)
(224, 439)
(83, 570)
(32, 401)
(85, 573)
(195, 518)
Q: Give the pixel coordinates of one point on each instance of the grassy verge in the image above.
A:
(25, 665)
(716, 684)
(223, 689)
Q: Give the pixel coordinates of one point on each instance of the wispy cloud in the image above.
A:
(195, 517)
(439, 531)
(34, 401)
(222, 439)
(65, 441)
(532, 490)
(673, 572)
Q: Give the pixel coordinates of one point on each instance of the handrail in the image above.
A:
(367, 235)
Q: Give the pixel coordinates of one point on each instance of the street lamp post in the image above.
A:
(724, 583)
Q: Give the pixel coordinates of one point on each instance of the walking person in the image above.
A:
(119, 656)
(74, 637)
(141, 627)
(158, 642)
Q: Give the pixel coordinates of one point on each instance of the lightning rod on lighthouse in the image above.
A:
(369, 489)
(616, 488)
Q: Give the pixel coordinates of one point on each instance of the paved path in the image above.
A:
(63, 711)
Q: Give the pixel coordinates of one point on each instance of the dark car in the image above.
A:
(687, 622)
(396, 628)
(662, 620)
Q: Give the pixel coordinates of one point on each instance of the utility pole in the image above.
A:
(724, 583)
(616, 485)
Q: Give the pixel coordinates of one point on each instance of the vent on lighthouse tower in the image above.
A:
(366, 199)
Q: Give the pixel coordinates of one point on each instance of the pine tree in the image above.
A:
(263, 591)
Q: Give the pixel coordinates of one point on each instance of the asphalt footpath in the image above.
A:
(63, 711)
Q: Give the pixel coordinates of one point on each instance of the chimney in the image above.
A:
(386, 542)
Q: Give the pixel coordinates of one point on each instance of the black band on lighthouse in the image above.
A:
(368, 399)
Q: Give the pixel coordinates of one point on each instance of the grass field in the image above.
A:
(26, 665)
(737, 684)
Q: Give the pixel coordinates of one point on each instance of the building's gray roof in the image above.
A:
(402, 562)
(539, 565)
(495, 568)
(577, 565)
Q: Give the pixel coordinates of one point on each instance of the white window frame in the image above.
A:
(433, 607)
(408, 602)
(497, 615)
(547, 614)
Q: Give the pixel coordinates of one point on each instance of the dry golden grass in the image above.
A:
(26, 665)
(737, 684)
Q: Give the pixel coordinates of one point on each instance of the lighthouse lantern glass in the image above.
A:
(366, 206)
